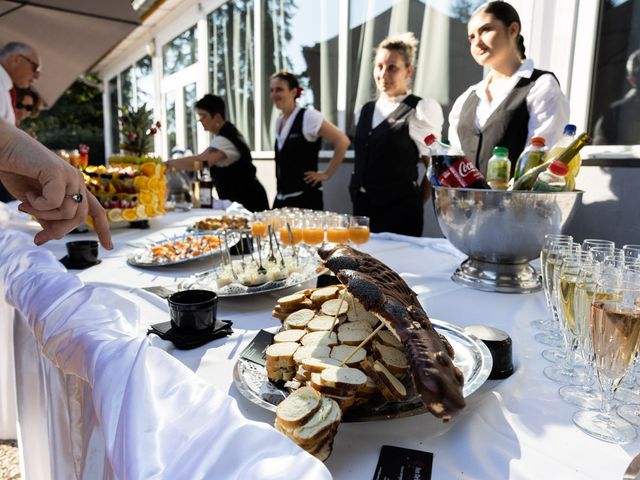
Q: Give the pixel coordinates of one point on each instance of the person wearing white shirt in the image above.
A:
(389, 144)
(515, 101)
(298, 135)
(228, 157)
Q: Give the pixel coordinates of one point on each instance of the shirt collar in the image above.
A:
(525, 71)
(398, 99)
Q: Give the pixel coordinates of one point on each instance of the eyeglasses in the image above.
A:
(28, 108)
(34, 65)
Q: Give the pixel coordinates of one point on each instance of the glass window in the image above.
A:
(144, 82)
(231, 62)
(126, 88)
(301, 37)
(441, 30)
(180, 52)
(113, 109)
(190, 130)
(170, 106)
(615, 101)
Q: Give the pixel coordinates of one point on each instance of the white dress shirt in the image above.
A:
(6, 107)
(229, 149)
(311, 123)
(426, 118)
(548, 107)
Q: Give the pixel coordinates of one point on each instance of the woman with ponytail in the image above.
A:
(514, 102)
(298, 135)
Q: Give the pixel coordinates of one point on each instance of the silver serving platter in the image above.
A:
(471, 356)
(143, 258)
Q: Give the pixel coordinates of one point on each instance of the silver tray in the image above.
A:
(143, 258)
(471, 356)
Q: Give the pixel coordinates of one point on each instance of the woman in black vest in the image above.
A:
(298, 135)
(389, 143)
(514, 102)
(228, 157)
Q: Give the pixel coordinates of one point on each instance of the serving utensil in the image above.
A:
(633, 469)
(261, 269)
(275, 238)
(272, 257)
(293, 245)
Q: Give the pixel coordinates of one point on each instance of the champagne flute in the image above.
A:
(589, 243)
(615, 336)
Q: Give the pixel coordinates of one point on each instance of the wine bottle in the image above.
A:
(526, 181)
(206, 189)
(195, 184)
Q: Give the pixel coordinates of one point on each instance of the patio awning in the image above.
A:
(69, 35)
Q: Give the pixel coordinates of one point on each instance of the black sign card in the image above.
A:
(255, 351)
(396, 463)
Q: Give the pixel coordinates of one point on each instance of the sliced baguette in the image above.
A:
(326, 418)
(372, 374)
(389, 339)
(298, 407)
(357, 325)
(317, 364)
(336, 305)
(394, 359)
(352, 337)
(321, 323)
(341, 352)
(394, 385)
(281, 352)
(293, 335)
(320, 338)
(299, 318)
(291, 301)
(308, 351)
(321, 295)
(316, 384)
(343, 377)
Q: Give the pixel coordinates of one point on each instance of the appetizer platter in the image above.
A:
(236, 223)
(176, 250)
(362, 350)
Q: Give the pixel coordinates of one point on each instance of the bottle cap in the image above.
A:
(538, 141)
(500, 345)
(570, 129)
(501, 151)
(559, 168)
(429, 139)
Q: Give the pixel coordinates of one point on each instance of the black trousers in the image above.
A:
(251, 195)
(310, 199)
(403, 216)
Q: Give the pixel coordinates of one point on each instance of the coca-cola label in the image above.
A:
(461, 174)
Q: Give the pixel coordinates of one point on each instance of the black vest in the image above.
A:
(507, 126)
(386, 156)
(231, 180)
(296, 156)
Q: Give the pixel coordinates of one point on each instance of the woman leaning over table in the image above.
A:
(514, 102)
(298, 135)
(228, 156)
(389, 143)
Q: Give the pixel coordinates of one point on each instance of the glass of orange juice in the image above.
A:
(359, 230)
(313, 230)
(338, 228)
(258, 225)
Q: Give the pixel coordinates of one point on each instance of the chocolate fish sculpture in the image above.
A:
(384, 293)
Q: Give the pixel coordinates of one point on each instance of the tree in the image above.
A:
(75, 118)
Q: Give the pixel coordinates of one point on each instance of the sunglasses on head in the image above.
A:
(28, 108)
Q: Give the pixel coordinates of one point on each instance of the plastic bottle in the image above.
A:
(553, 179)
(574, 165)
(450, 168)
(499, 169)
(528, 179)
(532, 156)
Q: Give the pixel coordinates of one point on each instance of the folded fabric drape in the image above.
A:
(158, 419)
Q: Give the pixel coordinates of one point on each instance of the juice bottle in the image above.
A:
(531, 157)
(574, 165)
(553, 179)
(499, 169)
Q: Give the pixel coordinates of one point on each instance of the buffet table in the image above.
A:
(98, 399)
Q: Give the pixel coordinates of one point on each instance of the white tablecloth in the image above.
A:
(515, 428)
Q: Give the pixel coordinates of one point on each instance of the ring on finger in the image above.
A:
(76, 197)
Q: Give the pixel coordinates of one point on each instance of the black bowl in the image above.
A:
(193, 309)
(83, 251)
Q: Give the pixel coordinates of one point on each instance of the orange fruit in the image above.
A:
(154, 184)
(141, 212)
(114, 214)
(129, 214)
(148, 168)
(145, 196)
(163, 168)
(150, 211)
(141, 182)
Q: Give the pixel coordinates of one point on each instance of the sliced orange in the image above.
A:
(163, 169)
(114, 214)
(145, 197)
(141, 212)
(129, 214)
(141, 182)
(150, 211)
(148, 168)
(154, 184)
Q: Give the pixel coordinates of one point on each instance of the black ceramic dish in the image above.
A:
(193, 309)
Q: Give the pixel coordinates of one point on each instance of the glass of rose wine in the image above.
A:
(359, 230)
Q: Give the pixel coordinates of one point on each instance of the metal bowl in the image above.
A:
(501, 232)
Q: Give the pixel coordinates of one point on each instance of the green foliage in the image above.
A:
(74, 119)
(138, 129)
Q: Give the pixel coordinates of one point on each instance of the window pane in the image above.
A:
(301, 37)
(144, 82)
(615, 102)
(441, 30)
(113, 108)
(190, 130)
(170, 105)
(180, 52)
(231, 62)
(126, 86)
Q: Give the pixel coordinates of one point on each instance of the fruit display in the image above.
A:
(129, 191)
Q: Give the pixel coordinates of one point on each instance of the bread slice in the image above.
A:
(316, 383)
(369, 389)
(357, 325)
(280, 352)
(394, 385)
(358, 313)
(317, 364)
(372, 374)
(279, 314)
(321, 295)
(299, 318)
(320, 338)
(278, 375)
(331, 307)
(341, 352)
(344, 402)
(298, 407)
(389, 339)
(291, 301)
(293, 335)
(307, 351)
(327, 417)
(394, 359)
(343, 377)
(352, 337)
(322, 323)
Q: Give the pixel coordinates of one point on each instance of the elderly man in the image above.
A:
(19, 68)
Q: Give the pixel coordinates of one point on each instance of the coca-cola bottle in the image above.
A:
(450, 168)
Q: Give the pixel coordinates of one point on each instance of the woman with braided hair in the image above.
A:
(514, 102)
